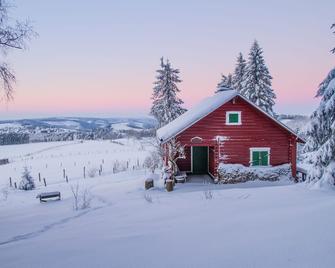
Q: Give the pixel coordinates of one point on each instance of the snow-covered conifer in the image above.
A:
(225, 83)
(166, 105)
(257, 80)
(27, 182)
(321, 139)
(331, 75)
(239, 73)
(324, 84)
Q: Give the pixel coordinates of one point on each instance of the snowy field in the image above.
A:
(198, 225)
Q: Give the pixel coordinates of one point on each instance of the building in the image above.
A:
(228, 128)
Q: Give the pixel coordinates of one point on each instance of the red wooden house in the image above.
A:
(228, 128)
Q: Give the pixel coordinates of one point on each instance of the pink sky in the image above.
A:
(105, 66)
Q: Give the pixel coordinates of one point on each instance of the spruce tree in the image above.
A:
(27, 181)
(239, 73)
(321, 135)
(166, 105)
(258, 81)
(324, 84)
(321, 139)
(331, 75)
(225, 83)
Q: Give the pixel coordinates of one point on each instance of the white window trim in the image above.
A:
(260, 149)
(239, 118)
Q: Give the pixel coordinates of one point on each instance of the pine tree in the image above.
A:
(27, 181)
(331, 75)
(239, 73)
(324, 84)
(258, 81)
(225, 83)
(321, 135)
(321, 139)
(166, 105)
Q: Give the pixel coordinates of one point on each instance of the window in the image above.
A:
(233, 118)
(259, 156)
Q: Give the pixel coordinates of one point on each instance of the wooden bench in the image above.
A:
(45, 196)
(303, 173)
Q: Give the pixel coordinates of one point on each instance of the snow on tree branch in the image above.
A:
(257, 80)
(166, 105)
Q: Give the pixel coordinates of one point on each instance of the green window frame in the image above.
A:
(259, 156)
(233, 118)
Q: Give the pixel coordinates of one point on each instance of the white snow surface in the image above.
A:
(197, 112)
(254, 224)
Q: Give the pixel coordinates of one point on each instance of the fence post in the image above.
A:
(15, 185)
(45, 182)
(84, 172)
(64, 173)
(67, 179)
(10, 182)
(39, 176)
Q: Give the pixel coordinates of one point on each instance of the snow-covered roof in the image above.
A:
(193, 115)
(202, 109)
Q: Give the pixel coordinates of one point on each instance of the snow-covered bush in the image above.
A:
(81, 198)
(119, 166)
(92, 172)
(152, 161)
(235, 173)
(27, 181)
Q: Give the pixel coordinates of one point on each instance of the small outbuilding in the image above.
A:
(228, 128)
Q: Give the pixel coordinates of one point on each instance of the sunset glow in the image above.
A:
(101, 59)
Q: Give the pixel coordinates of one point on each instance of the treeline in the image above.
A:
(96, 134)
(13, 138)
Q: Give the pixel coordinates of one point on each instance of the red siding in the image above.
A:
(185, 164)
(211, 160)
(256, 130)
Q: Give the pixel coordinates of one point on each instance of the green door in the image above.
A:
(200, 159)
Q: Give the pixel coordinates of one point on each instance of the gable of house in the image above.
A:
(206, 108)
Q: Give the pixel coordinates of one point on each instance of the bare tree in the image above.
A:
(175, 151)
(152, 161)
(14, 34)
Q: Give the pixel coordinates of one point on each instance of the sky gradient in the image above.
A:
(98, 58)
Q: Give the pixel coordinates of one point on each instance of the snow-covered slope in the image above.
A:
(83, 123)
(70, 128)
(253, 224)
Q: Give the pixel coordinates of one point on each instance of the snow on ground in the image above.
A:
(51, 158)
(255, 224)
(125, 126)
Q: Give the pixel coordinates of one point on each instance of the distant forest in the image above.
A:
(97, 134)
